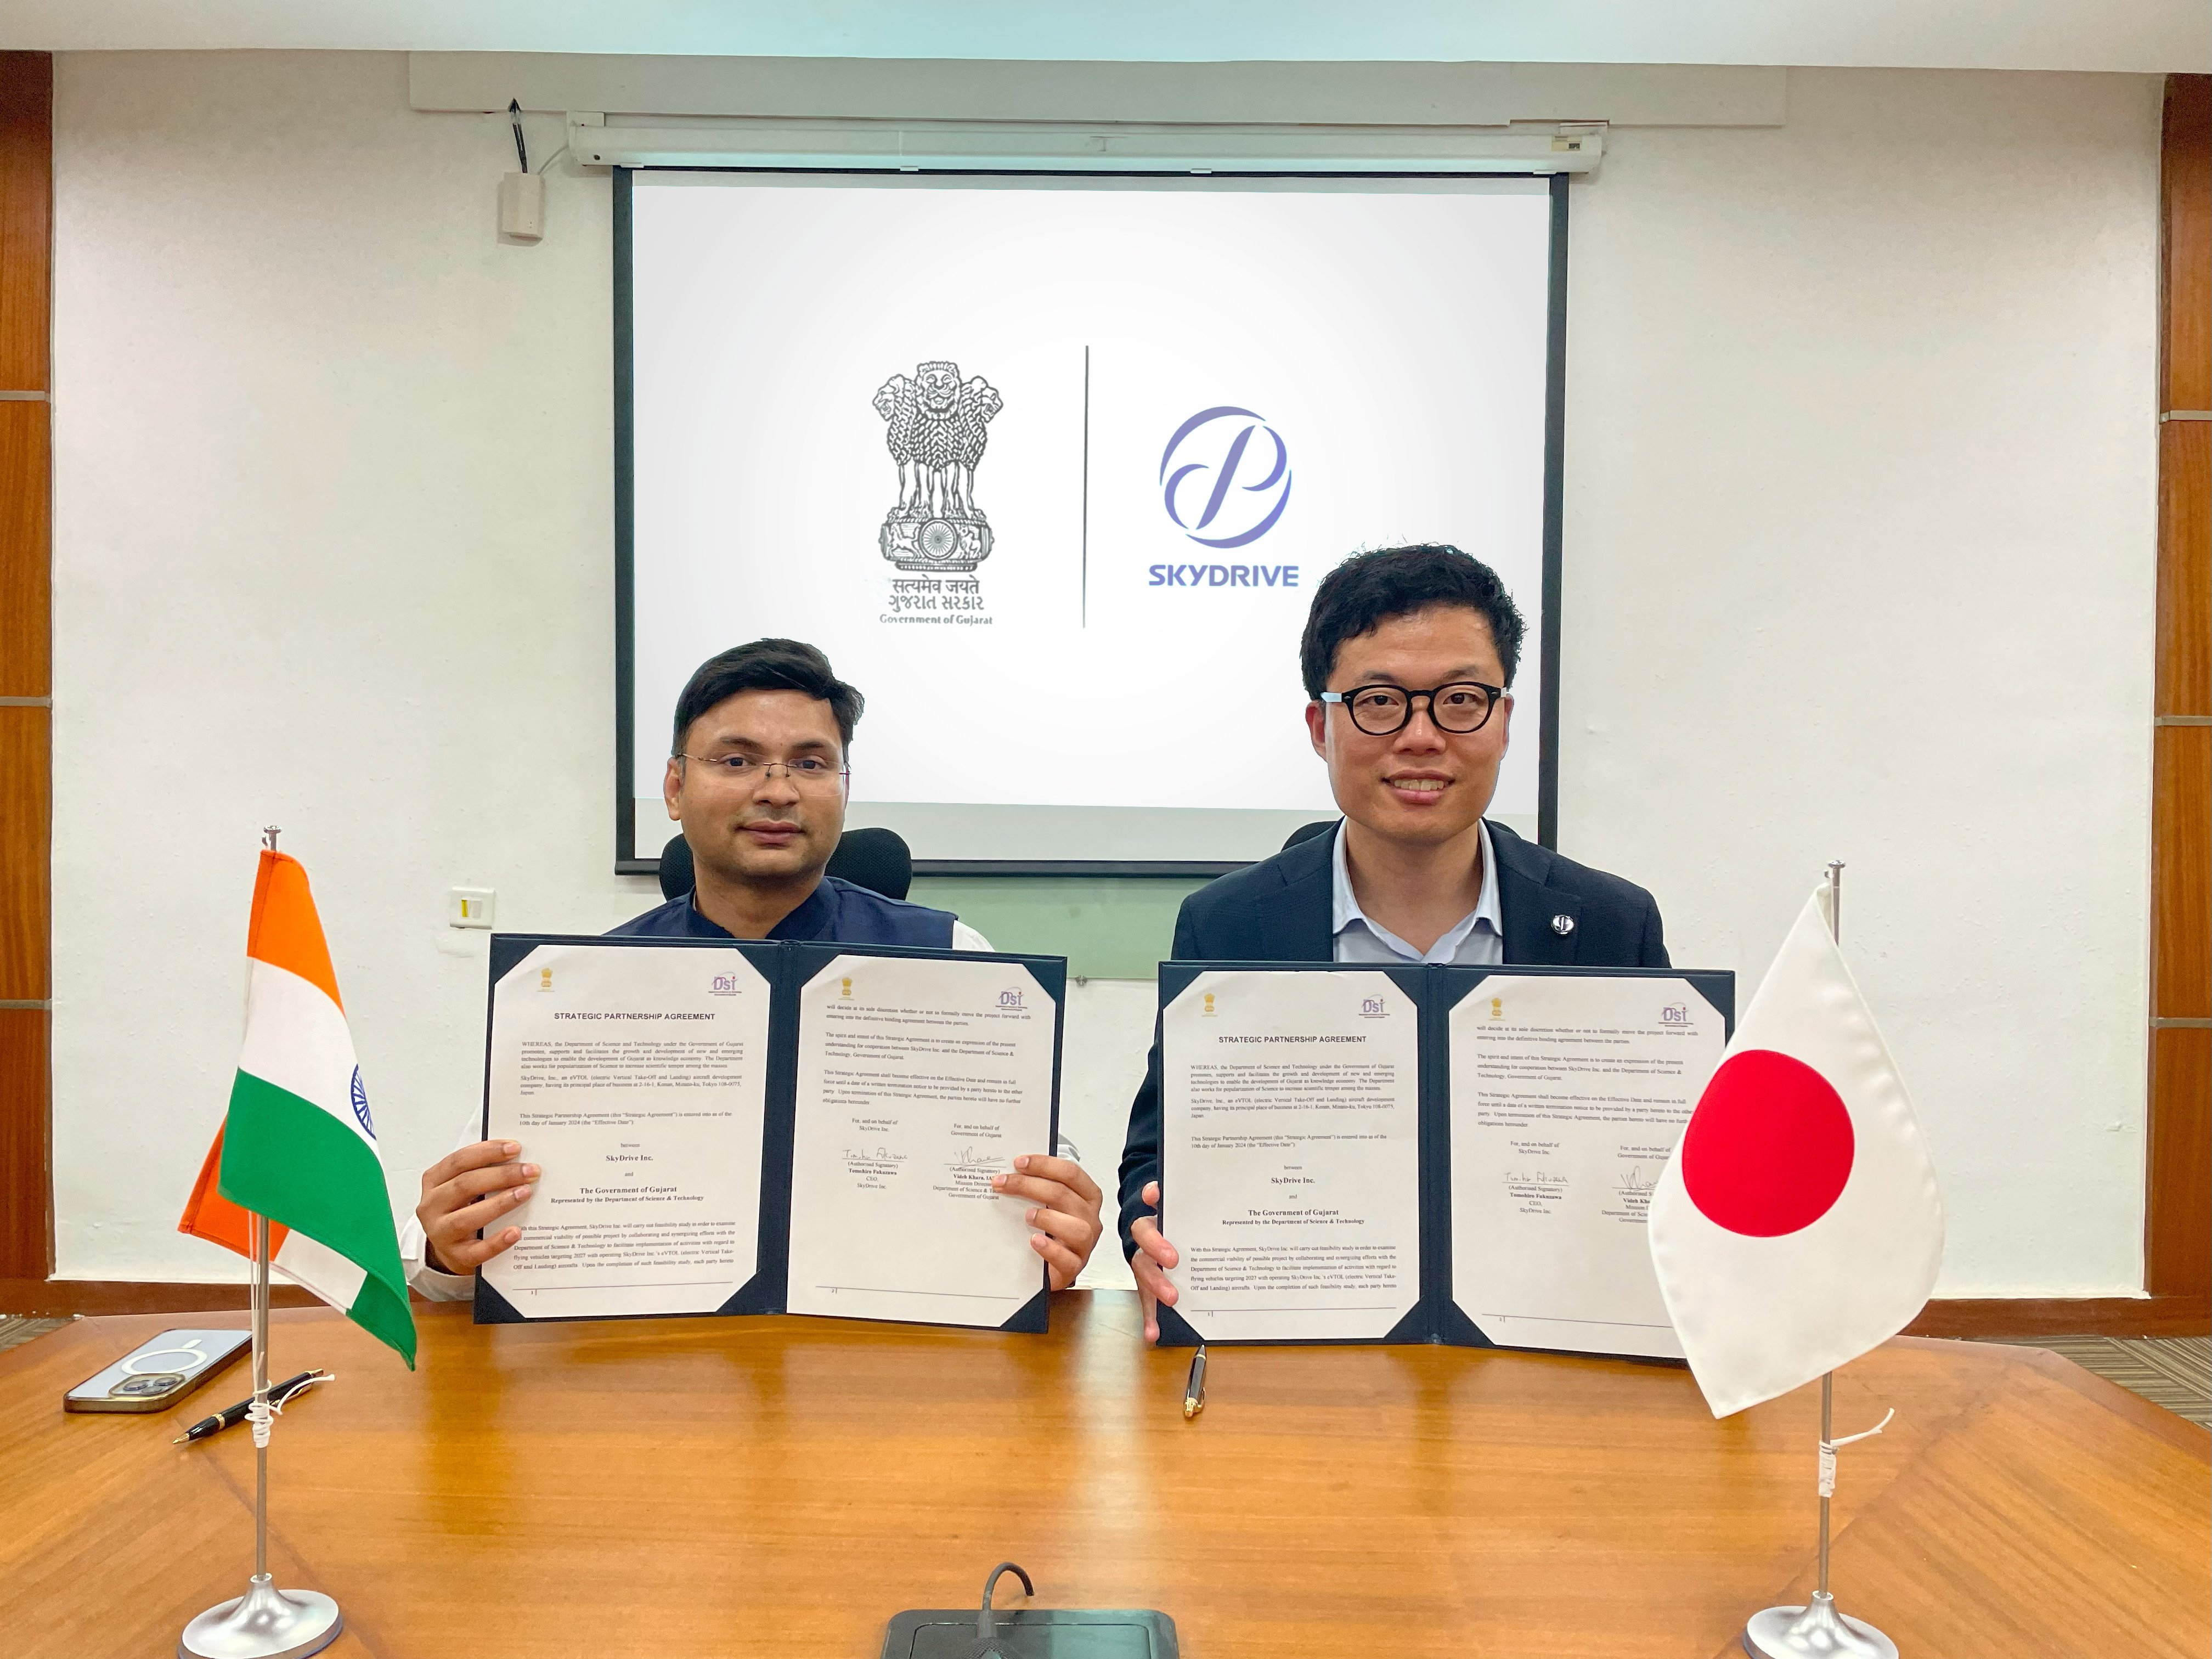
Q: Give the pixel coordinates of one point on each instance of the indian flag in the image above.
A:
(298, 1145)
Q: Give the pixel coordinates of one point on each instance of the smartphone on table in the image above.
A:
(156, 1374)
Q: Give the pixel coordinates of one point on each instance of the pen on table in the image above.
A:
(1194, 1392)
(231, 1415)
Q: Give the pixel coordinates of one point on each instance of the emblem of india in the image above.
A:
(935, 427)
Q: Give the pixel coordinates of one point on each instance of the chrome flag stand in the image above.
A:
(264, 1623)
(1817, 1631)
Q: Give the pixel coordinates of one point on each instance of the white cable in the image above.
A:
(277, 1406)
(262, 1413)
(1828, 1452)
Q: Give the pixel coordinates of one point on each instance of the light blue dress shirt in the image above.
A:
(1475, 940)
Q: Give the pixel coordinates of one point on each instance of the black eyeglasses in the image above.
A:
(1462, 707)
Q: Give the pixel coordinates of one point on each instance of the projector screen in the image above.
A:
(1050, 468)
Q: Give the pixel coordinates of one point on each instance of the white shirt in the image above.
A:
(434, 1286)
(1477, 939)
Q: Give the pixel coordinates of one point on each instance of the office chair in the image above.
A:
(878, 859)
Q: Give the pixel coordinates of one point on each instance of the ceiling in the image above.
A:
(2138, 35)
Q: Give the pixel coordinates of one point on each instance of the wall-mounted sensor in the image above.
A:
(522, 206)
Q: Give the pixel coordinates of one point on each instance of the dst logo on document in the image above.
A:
(1374, 1008)
(724, 985)
(1010, 999)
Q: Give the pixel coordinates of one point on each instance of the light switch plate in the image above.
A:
(471, 906)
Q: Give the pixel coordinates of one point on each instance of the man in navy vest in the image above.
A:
(757, 778)
(1408, 657)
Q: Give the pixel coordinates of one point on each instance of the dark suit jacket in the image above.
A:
(1279, 910)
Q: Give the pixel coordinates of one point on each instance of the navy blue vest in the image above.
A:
(835, 912)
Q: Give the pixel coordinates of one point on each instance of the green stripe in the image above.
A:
(385, 1315)
(290, 1160)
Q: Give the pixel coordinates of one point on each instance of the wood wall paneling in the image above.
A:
(27, 160)
(26, 1173)
(2181, 873)
(35, 1294)
(2178, 1204)
(26, 798)
(25, 544)
(26, 1219)
(2174, 1224)
(26, 660)
(2026, 1318)
(2183, 683)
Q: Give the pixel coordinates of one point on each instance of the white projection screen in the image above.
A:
(1050, 467)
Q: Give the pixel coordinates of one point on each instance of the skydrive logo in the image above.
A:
(1225, 480)
(1209, 467)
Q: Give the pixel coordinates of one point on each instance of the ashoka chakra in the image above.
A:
(939, 540)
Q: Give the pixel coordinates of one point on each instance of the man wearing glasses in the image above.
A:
(1408, 657)
(757, 778)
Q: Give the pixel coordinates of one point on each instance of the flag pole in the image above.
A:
(257, 1413)
(1817, 1631)
(264, 1623)
(1828, 1378)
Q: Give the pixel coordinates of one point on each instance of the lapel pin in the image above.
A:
(1563, 926)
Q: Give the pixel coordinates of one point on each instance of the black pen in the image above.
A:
(231, 1415)
(1194, 1392)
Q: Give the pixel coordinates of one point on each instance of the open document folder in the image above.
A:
(1425, 1154)
(744, 1126)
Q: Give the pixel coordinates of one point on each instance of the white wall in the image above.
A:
(1860, 526)
(1859, 555)
(332, 527)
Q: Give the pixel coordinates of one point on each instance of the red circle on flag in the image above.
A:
(1769, 1149)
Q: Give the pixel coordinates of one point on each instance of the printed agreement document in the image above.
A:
(636, 1077)
(1290, 1156)
(919, 1079)
(1567, 1094)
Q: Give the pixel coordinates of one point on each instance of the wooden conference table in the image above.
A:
(783, 1485)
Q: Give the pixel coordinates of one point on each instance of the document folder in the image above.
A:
(1429, 1307)
(786, 969)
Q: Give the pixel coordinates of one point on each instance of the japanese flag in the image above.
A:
(1797, 1224)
